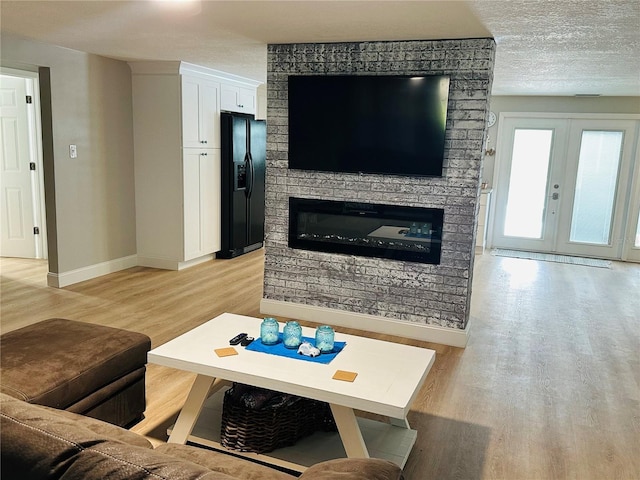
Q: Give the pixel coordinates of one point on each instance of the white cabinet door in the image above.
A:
(209, 114)
(237, 99)
(210, 213)
(190, 112)
(201, 184)
(247, 100)
(200, 113)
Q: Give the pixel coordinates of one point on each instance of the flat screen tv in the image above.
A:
(368, 124)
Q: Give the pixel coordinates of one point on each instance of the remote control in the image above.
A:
(237, 339)
(246, 341)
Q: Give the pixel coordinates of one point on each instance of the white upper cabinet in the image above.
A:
(237, 99)
(200, 113)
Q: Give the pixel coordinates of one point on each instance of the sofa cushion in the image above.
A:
(224, 463)
(40, 443)
(57, 362)
(353, 469)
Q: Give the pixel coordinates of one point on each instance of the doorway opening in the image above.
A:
(22, 200)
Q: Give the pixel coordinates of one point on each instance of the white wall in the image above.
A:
(94, 193)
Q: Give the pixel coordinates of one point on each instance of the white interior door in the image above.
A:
(564, 185)
(16, 210)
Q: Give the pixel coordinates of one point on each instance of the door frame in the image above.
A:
(631, 253)
(502, 156)
(36, 155)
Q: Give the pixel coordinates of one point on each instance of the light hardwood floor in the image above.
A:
(547, 388)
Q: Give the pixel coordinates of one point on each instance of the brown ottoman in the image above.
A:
(84, 368)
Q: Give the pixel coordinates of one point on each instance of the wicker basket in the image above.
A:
(268, 427)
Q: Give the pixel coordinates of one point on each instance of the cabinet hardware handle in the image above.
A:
(203, 154)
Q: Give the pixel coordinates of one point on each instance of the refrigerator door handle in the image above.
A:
(251, 174)
(247, 169)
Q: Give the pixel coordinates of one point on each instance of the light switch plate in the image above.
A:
(73, 151)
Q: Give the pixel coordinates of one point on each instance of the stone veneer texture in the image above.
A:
(411, 292)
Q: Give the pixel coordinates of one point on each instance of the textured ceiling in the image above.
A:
(544, 47)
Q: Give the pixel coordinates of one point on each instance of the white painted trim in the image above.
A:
(631, 253)
(174, 68)
(166, 264)
(196, 261)
(60, 280)
(360, 321)
(572, 116)
(14, 72)
(224, 77)
(35, 137)
(155, 262)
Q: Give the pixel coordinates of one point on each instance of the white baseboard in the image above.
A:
(60, 280)
(155, 262)
(360, 321)
(196, 261)
(164, 264)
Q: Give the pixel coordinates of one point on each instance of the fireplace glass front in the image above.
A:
(412, 234)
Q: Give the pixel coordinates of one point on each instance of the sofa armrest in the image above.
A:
(102, 429)
(237, 468)
(358, 468)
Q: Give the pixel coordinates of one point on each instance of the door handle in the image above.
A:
(251, 173)
(555, 196)
(249, 181)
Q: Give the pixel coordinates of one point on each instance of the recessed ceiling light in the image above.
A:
(188, 7)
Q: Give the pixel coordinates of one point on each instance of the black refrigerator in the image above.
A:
(244, 151)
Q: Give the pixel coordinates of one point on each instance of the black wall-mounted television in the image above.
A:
(368, 124)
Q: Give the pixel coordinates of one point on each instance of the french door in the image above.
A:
(566, 186)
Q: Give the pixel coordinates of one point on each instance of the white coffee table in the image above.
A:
(389, 378)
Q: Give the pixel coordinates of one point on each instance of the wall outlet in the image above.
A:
(73, 151)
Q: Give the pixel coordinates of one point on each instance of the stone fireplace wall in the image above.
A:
(412, 293)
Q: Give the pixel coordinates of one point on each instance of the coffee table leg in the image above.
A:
(192, 406)
(349, 431)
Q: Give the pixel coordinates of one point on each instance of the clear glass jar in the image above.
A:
(292, 335)
(269, 329)
(324, 338)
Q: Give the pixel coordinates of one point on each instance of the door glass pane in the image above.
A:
(595, 187)
(528, 183)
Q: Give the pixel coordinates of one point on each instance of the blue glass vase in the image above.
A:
(292, 335)
(269, 331)
(324, 338)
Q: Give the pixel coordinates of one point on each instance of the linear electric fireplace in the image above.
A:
(412, 234)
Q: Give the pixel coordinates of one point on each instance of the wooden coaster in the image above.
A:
(226, 352)
(345, 376)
